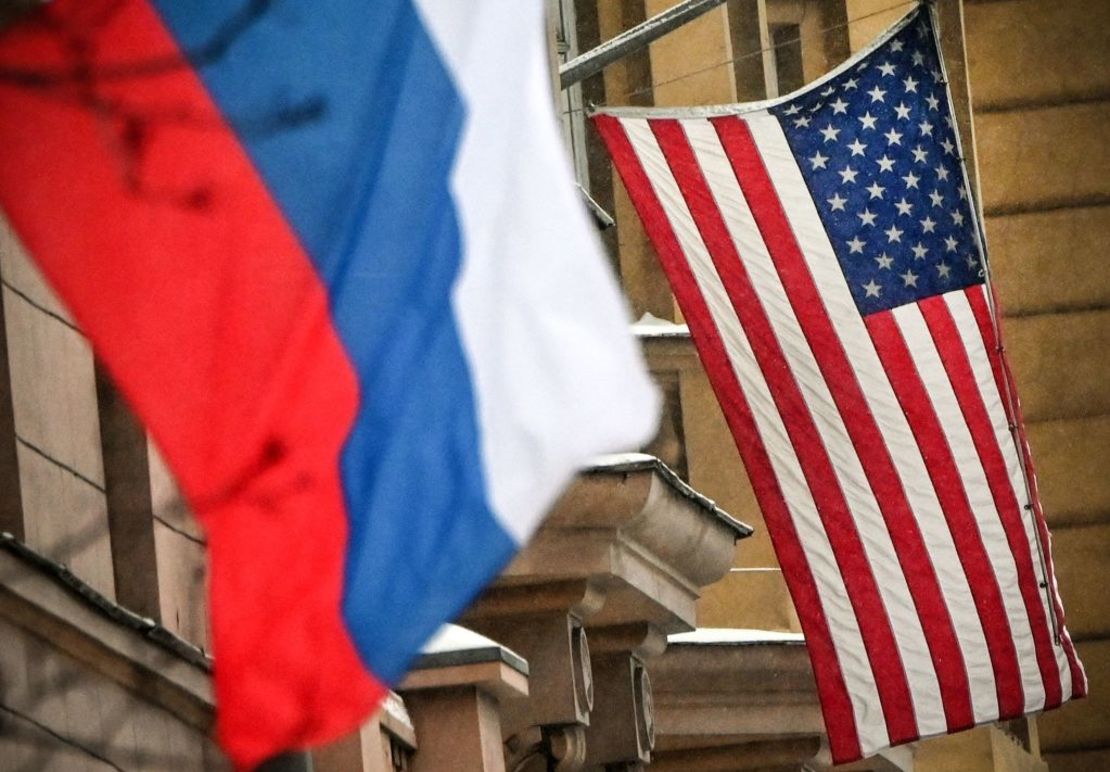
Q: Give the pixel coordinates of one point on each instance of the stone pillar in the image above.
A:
(618, 564)
(130, 511)
(543, 623)
(453, 693)
(385, 743)
(11, 503)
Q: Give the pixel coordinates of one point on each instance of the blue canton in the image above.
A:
(877, 147)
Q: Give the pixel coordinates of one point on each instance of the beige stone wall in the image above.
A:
(1041, 95)
(57, 428)
(64, 511)
(181, 558)
(59, 714)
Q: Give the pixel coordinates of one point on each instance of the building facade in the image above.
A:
(646, 625)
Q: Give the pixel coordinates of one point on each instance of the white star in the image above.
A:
(918, 59)
(949, 148)
(920, 154)
(936, 197)
(886, 68)
(943, 270)
(857, 147)
(909, 278)
(919, 251)
(886, 164)
(872, 289)
(942, 172)
(866, 217)
(938, 76)
(819, 161)
(948, 120)
(893, 137)
(836, 202)
(971, 261)
(830, 133)
(839, 106)
(934, 103)
(904, 206)
(950, 244)
(801, 122)
(792, 110)
(896, 45)
(963, 192)
(867, 120)
(926, 128)
(855, 246)
(893, 233)
(828, 91)
(816, 107)
(903, 111)
(884, 260)
(957, 218)
(877, 94)
(911, 180)
(910, 84)
(875, 189)
(927, 225)
(850, 84)
(847, 174)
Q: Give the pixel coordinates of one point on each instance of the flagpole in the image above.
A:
(1010, 392)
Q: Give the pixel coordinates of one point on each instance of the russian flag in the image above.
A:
(331, 253)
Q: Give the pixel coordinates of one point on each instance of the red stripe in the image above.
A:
(949, 487)
(867, 440)
(837, 707)
(1000, 366)
(954, 356)
(863, 590)
(147, 216)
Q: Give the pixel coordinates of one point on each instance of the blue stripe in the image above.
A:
(353, 122)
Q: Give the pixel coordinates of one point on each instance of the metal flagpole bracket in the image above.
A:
(597, 59)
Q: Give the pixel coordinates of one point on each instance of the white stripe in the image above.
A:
(968, 327)
(876, 387)
(956, 431)
(895, 592)
(557, 377)
(819, 555)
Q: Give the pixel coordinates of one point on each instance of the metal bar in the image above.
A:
(594, 61)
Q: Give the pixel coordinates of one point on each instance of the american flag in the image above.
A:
(825, 251)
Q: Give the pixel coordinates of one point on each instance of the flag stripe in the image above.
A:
(956, 363)
(943, 397)
(358, 193)
(805, 436)
(939, 641)
(778, 233)
(945, 475)
(209, 313)
(831, 663)
(977, 300)
(970, 650)
(968, 327)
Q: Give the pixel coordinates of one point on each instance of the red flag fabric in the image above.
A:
(824, 250)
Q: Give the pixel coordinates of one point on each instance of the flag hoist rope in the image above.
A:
(1010, 392)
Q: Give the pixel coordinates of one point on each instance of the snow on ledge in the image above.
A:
(728, 636)
(650, 326)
